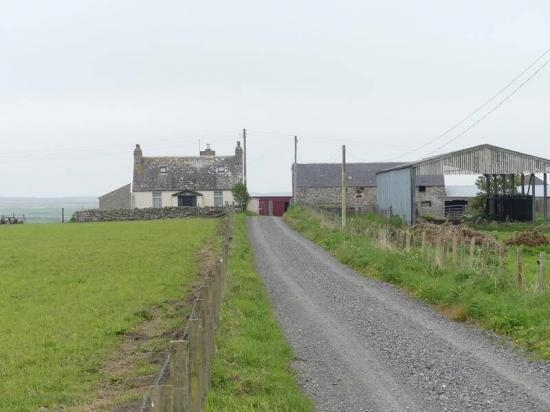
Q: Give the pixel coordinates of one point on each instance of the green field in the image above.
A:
(70, 293)
(252, 368)
(491, 299)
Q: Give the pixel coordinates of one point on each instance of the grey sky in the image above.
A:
(82, 81)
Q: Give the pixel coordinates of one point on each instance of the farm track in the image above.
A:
(364, 345)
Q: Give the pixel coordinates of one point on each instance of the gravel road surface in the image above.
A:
(364, 345)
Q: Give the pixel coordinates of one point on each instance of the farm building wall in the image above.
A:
(120, 198)
(431, 202)
(358, 197)
(254, 205)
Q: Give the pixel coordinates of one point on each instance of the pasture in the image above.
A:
(69, 294)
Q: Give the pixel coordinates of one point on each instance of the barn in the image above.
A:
(500, 167)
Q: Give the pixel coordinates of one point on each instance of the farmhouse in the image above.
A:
(320, 184)
(168, 181)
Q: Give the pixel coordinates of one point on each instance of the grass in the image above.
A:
(252, 368)
(492, 302)
(70, 295)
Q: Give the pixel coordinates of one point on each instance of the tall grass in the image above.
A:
(494, 303)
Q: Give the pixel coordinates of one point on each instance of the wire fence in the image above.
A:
(442, 246)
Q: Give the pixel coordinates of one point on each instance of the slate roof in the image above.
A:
(361, 174)
(187, 173)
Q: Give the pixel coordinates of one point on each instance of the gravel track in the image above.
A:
(364, 345)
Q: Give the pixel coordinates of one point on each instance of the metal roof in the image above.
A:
(359, 174)
(482, 159)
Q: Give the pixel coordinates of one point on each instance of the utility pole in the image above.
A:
(295, 171)
(244, 156)
(344, 188)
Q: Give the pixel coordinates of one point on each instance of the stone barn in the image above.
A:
(320, 184)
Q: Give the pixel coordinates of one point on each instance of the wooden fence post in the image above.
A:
(520, 268)
(455, 252)
(408, 240)
(179, 374)
(161, 398)
(462, 253)
(542, 273)
(472, 251)
(501, 259)
(196, 360)
(438, 253)
(423, 244)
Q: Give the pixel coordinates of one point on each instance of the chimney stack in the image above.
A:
(208, 152)
(138, 156)
(238, 150)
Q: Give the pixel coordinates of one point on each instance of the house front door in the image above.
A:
(187, 201)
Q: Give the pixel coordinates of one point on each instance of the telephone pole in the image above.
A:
(295, 170)
(244, 155)
(344, 188)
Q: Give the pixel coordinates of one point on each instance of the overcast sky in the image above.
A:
(81, 82)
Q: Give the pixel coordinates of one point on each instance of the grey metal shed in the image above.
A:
(396, 186)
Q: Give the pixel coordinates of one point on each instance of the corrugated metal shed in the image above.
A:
(394, 193)
(480, 160)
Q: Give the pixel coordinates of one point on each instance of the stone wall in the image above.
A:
(363, 198)
(96, 215)
(120, 198)
(436, 196)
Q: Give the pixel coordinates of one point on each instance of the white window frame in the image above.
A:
(218, 198)
(157, 199)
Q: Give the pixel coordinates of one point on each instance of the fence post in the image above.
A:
(542, 273)
(501, 259)
(520, 268)
(408, 240)
(462, 253)
(423, 244)
(472, 251)
(179, 374)
(439, 252)
(161, 398)
(455, 246)
(195, 360)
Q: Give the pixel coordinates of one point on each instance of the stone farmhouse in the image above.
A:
(320, 184)
(204, 180)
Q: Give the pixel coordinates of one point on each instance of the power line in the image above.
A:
(492, 110)
(478, 109)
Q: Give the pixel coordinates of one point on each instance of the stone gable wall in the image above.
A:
(96, 215)
(120, 198)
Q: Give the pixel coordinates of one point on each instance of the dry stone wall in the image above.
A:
(96, 215)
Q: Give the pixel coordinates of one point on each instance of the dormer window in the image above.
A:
(163, 169)
(220, 169)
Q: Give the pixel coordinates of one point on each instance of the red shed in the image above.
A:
(270, 205)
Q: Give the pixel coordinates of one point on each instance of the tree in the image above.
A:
(500, 183)
(240, 194)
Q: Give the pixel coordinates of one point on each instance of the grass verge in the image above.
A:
(72, 295)
(497, 304)
(252, 367)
